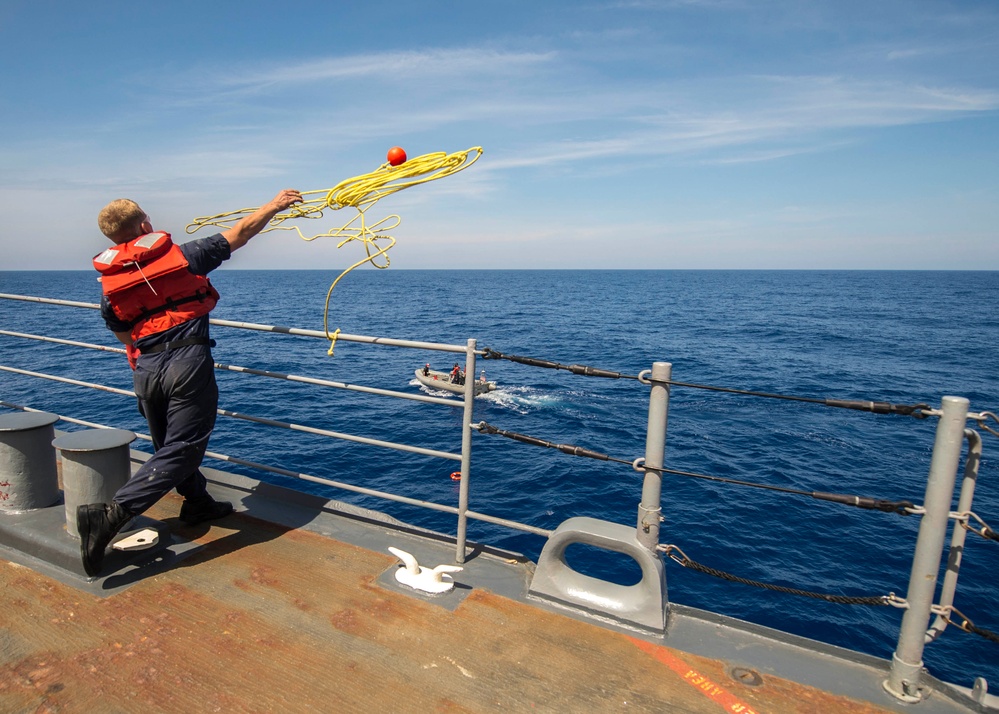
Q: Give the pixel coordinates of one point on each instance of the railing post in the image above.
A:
(466, 449)
(907, 662)
(650, 508)
(955, 551)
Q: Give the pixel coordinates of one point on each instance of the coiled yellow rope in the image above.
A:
(360, 192)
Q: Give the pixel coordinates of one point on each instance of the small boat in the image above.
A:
(442, 380)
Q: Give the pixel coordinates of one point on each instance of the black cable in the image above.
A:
(915, 410)
(872, 504)
(686, 562)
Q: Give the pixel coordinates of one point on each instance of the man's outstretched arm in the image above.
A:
(240, 234)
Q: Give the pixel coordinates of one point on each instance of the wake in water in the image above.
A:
(524, 400)
(521, 400)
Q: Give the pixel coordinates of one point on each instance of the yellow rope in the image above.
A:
(360, 193)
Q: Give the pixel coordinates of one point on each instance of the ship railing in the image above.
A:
(644, 605)
(466, 403)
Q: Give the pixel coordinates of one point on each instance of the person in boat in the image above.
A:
(426, 370)
(156, 301)
(455, 373)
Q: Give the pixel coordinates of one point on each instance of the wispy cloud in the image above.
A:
(386, 67)
(540, 123)
(769, 118)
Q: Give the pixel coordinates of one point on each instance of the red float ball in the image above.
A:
(396, 156)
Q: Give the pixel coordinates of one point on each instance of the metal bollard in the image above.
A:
(28, 476)
(95, 464)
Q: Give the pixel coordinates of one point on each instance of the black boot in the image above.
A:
(98, 524)
(207, 508)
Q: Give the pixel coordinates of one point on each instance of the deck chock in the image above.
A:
(425, 579)
(642, 604)
(140, 540)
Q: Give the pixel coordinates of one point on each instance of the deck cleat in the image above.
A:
(425, 579)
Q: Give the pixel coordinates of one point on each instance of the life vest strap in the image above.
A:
(170, 304)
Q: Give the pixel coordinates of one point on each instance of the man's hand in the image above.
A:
(285, 199)
(246, 228)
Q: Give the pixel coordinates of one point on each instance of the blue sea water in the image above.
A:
(901, 337)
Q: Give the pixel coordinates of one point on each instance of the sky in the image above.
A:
(641, 134)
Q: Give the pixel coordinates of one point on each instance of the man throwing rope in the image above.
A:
(156, 301)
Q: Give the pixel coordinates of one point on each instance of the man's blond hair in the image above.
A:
(122, 218)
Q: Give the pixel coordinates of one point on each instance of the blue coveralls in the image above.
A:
(177, 396)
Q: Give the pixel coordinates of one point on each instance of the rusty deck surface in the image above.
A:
(266, 618)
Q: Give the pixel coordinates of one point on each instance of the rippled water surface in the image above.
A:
(902, 337)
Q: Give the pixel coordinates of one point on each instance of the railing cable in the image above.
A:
(246, 417)
(680, 557)
(280, 329)
(515, 525)
(919, 411)
(67, 380)
(489, 353)
(968, 626)
(257, 372)
(874, 504)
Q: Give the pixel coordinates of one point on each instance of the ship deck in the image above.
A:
(291, 605)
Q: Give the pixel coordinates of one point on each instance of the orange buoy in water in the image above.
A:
(456, 476)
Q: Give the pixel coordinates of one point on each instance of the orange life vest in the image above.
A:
(149, 286)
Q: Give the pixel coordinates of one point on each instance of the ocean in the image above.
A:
(902, 337)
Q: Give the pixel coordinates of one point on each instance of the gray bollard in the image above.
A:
(28, 476)
(95, 464)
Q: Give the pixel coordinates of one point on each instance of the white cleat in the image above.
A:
(425, 579)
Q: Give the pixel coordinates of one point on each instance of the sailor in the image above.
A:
(156, 301)
(455, 373)
(426, 370)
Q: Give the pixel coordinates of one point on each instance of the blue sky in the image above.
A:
(644, 134)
